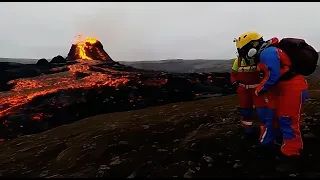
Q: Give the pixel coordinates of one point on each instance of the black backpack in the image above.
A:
(304, 58)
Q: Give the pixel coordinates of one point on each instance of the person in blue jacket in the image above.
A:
(284, 97)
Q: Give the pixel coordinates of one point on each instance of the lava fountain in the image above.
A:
(87, 49)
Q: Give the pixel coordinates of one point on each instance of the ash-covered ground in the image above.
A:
(187, 139)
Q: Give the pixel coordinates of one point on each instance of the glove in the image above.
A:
(235, 84)
(258, 93)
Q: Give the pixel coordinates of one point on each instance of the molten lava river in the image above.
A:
(27, 89)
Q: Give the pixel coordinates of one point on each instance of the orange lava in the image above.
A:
(37, 117)
(82, 45)
(27, 89)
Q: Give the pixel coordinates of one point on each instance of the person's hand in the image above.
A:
(236, 83)
(256, 92)
(258, 68)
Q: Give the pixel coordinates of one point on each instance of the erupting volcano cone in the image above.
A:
(87, 49)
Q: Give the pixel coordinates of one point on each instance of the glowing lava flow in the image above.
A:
(93, 68)
(27, 89)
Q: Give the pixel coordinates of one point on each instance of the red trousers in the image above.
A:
(248, 101)
(285, 101)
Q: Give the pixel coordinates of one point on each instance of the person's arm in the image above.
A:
(270, 65)
(234, 70)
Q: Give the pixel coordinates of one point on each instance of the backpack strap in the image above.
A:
(239, 61)
(291, 72)
(288, 75)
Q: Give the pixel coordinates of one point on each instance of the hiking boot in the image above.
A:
(278, 137)
(265, 151)
(289, 164)
(253, 137)
(265, 157)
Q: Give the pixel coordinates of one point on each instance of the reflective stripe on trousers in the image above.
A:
(250, 86)
(247, 123)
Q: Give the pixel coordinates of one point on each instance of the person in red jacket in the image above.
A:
(245, 75)
(285, 95)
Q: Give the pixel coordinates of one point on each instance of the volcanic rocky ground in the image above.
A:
(198, 138)
(187, 139)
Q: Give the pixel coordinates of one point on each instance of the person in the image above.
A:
(246, 78)
(284, 94)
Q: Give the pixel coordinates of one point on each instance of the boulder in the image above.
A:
(58, 59)
(42, 62)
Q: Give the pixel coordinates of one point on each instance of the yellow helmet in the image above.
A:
(246, 38)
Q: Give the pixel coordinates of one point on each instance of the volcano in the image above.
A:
(39, 98)
(88, 49)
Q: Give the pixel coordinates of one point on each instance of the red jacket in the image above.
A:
(243, 73)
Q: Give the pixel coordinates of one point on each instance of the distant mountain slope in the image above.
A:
(179, 65)
(19, 60)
